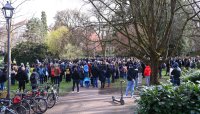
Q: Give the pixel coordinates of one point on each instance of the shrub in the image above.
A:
(168, 99)
(193, 76)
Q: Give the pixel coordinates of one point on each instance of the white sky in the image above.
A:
(33, 8)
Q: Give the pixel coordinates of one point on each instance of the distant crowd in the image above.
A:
(88, 72)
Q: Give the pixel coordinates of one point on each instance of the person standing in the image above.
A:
(3, 78)
(86, 75)
(147, 74)
(140, 74)
(135, 73)
(86, 70)
(41, 73)
(81, 73)
(34, 79)
(62, 69)
(131, 79)
(13, 74)
(108, 75)
(113, 74)
(68, 74)
(102, 76)
(176, 73)
(76, 78)
(22, 77)
(52, 74)
(95, 75)
(57, 72)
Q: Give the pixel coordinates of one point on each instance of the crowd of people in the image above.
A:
(86, 73)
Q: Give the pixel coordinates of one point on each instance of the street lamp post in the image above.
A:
(8, 13)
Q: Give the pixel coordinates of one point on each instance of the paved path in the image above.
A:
(91, 101)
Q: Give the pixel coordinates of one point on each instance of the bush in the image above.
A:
(29, 52)
(168, 99)
(192, 75)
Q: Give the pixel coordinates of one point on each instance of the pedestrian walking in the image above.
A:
(130, 80)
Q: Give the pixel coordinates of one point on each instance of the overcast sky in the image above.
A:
(33, 8)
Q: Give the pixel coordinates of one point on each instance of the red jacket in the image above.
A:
(147, 71)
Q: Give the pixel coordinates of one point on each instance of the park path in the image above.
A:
(92, 101)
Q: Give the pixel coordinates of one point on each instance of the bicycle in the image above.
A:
(7, 110)
(37, 103)
(13, 106)
(51, 96)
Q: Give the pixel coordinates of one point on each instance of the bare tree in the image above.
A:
(16, 27)
(147, 26)
(77, 23)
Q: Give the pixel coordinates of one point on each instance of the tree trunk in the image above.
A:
(154, 68)
(104, 51)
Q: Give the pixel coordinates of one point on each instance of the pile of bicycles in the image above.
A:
(34, 101)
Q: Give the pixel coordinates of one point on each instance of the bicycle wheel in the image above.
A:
(27, 106)
(10, 111)
(18, 108)
(51, 100)
(42, 105)
(33, 104)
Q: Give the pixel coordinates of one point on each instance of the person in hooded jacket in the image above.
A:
(147, 74)
(176, 73)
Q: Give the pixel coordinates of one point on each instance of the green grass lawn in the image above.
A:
(64, 87)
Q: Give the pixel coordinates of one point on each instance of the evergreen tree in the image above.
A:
(34, 31)
(44, 23)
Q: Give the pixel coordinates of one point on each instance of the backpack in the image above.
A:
(33, 78)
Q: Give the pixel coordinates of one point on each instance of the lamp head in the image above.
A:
(8, 10)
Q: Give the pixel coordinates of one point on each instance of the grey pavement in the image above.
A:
(92, 101)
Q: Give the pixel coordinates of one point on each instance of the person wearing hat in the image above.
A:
(176, 73)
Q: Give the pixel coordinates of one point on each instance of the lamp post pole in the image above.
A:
(9, 58)
(8, 13)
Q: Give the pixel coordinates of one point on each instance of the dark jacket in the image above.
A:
(108, 72)
(3, 76)
(132, 74)
(102, 76)
(95, 71)
(176, 74)
(22, 76)
(75, 75)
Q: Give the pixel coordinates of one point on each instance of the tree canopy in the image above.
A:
(29, 52)
(57, 40)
